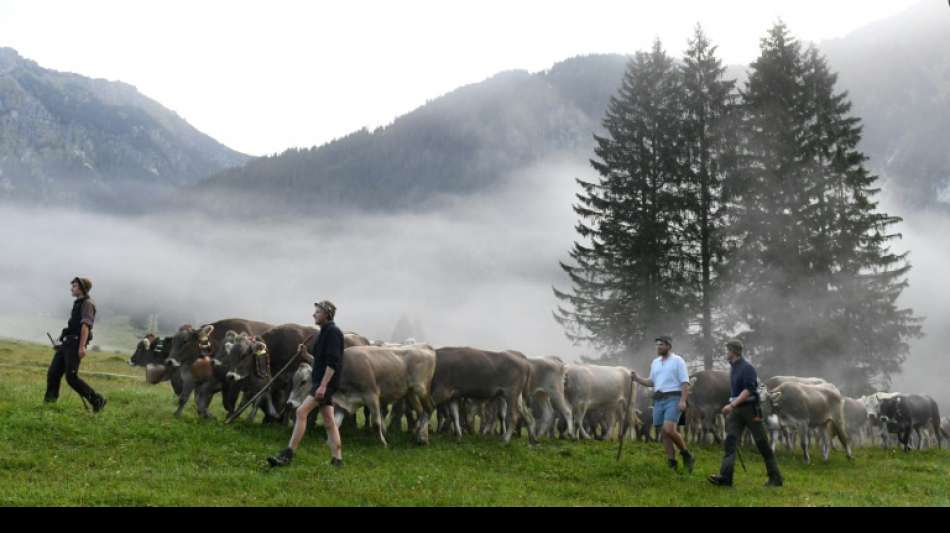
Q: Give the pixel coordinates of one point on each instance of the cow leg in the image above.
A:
(580, 412)
(529, 418)
(187, 387)
(803, 435)
(454, 409)
(420, 429)
(375, 412)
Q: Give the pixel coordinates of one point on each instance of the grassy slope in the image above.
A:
(136, 453)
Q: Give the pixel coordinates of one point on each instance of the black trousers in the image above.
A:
(744, 417)
(66, 361)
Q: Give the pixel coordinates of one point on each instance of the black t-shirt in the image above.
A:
(328, 352)
(743, 377)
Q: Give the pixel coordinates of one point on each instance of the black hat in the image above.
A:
(665, 338)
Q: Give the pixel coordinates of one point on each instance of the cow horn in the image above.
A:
(146, 344)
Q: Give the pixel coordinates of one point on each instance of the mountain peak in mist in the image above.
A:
(69, 138)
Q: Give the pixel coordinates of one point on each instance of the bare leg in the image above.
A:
(300, 427)
(333, 432)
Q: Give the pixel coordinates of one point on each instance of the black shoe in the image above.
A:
(672, 464)
(774, 482)
(281, 459)
(719, 481)
(336, 462)
(98, 404)
(688, 460)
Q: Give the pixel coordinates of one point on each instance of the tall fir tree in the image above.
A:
(629, 279)
(814, 278)
(709, 130)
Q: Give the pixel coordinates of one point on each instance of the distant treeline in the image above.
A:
(721, 211)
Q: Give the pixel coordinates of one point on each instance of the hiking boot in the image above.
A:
(281, 459)
(672, 464)
(774, 482)
(336, 462)
(98, 404)
(688, 460)
(719, 481)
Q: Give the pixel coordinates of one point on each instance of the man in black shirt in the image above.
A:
(72, 348)
(743, 411)
(327, 362)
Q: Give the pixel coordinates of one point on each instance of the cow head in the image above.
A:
(184, 350)
(300, 386)
(239, 360)
(143, 351)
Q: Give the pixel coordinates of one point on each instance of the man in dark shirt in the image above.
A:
(72, 348)
(327, 362)
(743, 411)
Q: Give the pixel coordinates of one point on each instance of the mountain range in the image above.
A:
(66, 137)
(62, 133)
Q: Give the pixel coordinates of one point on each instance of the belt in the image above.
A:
(662, 395)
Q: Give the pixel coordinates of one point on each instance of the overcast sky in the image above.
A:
(264, 76)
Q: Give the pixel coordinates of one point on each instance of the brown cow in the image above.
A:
(189, 344)
(464, 372)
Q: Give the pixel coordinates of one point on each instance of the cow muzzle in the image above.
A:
(234, 376)
(174, 362)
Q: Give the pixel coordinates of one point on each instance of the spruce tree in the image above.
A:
(629, 275)
(709, 126)
(814, 278)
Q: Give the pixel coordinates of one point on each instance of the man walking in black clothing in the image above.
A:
(744, 411)
(72, 348)
(327, 361)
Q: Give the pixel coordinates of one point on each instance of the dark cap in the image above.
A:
(665, 338)
(327, 306)
(734, 345)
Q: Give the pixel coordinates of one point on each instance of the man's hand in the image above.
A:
(727, 409)
(634, 376)
(321, 392)
(682, 406)
(82, 352)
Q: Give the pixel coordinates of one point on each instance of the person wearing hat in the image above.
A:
(72, 348)
(669, 378)
(743, 411)
(327, 361)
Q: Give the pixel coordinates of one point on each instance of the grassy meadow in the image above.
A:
(136, 453)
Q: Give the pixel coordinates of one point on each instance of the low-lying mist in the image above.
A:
(474, 272)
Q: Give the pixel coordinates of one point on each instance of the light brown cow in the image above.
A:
(802, 407)
(373, 376)
(594, 388)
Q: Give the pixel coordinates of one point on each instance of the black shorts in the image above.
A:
(327, 398)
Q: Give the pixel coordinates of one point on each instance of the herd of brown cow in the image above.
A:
(506, 392)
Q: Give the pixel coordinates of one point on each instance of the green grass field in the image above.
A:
(137, 453)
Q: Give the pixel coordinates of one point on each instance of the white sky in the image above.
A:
(264, 76)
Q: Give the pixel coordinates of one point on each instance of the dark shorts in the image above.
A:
(327, 398)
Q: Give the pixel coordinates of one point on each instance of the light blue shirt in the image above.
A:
(668, 375)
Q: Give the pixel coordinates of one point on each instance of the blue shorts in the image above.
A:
(666, 410)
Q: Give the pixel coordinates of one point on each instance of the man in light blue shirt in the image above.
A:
(669, 378)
